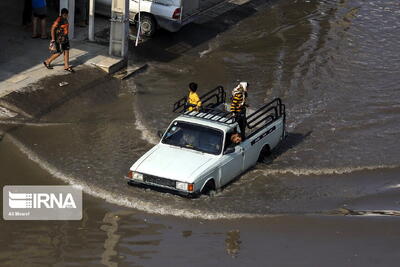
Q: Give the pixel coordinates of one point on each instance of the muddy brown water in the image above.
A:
(335, 65)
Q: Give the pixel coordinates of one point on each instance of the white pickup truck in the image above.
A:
(167, 14)
(195, 155)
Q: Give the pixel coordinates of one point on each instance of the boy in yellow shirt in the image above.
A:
(194, 102)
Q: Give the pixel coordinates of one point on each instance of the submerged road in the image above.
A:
(334, 64)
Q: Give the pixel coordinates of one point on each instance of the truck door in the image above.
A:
(231, 165)
(251, 153)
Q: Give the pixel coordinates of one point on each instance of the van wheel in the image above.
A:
(209, 188)
(148, 25)
(265, 152)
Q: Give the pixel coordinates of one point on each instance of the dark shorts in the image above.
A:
(40, 13)
(61, 47)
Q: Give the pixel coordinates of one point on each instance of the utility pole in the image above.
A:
(92, 7)
(70, 5)
(119, 28)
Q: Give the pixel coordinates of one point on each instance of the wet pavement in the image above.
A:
(334, 64)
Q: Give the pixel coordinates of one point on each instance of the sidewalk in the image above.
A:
(27, 69)
(21, 57)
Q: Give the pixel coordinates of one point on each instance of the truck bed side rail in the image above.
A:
(267, 114)
(211, 99)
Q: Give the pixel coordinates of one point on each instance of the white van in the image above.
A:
(167, 14)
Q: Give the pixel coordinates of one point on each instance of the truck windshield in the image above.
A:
(194, 137)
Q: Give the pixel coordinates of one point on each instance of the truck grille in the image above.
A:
(158, 180)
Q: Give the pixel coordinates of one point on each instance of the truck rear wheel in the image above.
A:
(265, 152)
(148, 25)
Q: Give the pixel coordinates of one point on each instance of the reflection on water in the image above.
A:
(187, 233)
(232, 243)
(127, 233)
(110, 226)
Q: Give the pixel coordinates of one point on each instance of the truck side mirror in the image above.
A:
(229, 150)
(160, 134)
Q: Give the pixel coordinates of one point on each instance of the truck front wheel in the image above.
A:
(209, 188)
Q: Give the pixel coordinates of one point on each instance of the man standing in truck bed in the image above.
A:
(238, 106)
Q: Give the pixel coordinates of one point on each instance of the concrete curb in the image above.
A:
(130, 71)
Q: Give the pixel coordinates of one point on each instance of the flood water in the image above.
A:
(334, 64)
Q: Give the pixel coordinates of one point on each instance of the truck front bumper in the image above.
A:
(161, 188)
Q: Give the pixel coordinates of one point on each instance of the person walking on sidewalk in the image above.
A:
(59, 41)
(39, 13)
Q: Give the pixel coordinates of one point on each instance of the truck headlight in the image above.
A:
(184, 186)
(135, 175)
